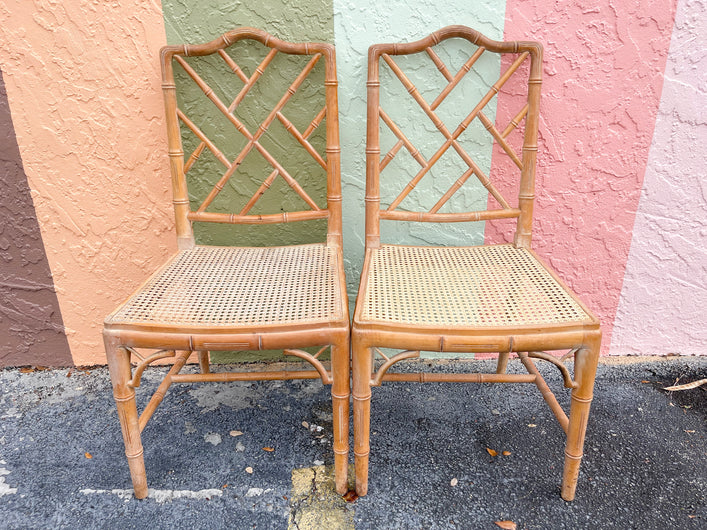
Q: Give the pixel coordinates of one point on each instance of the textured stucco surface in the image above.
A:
(83, 84)
(664, 296)
(83, 87)
(31, 329)
(193, 21)
(357, 26)
(603, 75)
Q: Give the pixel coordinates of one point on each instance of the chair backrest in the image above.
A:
(519, 58)
(228, 124)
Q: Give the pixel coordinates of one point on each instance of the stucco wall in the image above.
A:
(620, 208)
(83, 85)
(664, 294)
(602, 82)
(30, 320)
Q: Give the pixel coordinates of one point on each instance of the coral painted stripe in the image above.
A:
(601, 89)
(664, 297)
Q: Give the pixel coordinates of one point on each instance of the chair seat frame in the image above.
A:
(582, 338)
(124, 341)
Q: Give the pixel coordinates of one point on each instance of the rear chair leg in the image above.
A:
(340, 394)
(204, 362)
(120, 374)
(362, 364)
(502, 364)
(585, 367)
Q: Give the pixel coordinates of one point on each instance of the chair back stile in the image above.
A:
(180, 164)
(375, 163)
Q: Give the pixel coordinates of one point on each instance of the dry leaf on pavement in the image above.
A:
(687, 386)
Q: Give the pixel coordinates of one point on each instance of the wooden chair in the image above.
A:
(492, 298)
(210, 298)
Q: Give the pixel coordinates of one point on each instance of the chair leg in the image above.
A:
(585, 367)
(340, 395)
(362, 364)
(204, 362)
(120, 374)
(502, 364)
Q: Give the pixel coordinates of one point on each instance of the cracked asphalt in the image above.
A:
(258, 454)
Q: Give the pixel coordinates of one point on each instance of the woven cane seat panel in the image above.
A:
(229, 286)
(486, 286)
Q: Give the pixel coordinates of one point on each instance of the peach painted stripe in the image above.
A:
(663, 306)
(601, 89)
(83, 84)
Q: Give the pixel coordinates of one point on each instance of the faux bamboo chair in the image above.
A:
(494, 298)
(210, 298)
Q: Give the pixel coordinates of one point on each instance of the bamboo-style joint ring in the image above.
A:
(582, 400)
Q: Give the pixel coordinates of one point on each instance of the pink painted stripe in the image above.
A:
(601, 90)
(664, 296)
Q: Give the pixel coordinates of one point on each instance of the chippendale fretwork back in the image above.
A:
(176, 61)
(526, 114)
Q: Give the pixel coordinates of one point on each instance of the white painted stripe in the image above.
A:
(5, 489)
(161, 496)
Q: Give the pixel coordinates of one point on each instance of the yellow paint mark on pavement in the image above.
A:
(314, 503)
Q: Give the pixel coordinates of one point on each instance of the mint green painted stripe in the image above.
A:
(359, 24)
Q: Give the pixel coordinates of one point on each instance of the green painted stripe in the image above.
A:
(196, 21)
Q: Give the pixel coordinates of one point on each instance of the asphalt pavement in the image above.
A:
(258, 454)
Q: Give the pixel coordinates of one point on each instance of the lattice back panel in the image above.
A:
(269, 157)
(435, 108)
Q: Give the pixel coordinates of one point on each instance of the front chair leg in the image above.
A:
(340, 394)
(362, 363)
(120, 374)
(585, 367)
